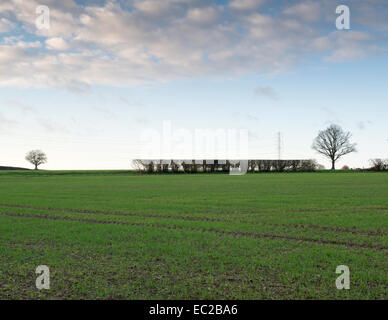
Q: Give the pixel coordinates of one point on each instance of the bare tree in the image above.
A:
(138, 165)
(36, 157)
(334, 143)
(379, 164)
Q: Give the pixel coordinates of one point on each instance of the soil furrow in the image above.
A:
(222, 232)
(190, 218)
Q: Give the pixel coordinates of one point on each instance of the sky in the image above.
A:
(88, 89)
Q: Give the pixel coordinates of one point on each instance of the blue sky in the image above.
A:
(85, 89)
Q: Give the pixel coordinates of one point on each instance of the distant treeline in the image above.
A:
(12, 168)
(379, 165)
(196, 166)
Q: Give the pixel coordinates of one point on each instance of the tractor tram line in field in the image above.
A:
(216, 231)
(200, 218)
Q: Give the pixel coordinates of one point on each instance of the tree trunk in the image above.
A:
(36, 167)
(332, 164)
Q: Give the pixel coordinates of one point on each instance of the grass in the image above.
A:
(120, 235)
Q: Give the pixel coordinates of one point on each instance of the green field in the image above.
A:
(120, 235)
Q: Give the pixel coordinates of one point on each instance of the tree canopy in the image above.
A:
(334, 143)
(36, 157)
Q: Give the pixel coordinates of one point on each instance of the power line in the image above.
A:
(279, 145)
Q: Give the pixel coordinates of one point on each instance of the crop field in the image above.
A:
(121, 235)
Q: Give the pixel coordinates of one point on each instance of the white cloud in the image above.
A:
(163, 40)
(152, 7)
(345, 46)
(245, 4)
(57, 44)
(267, 92)
(306, 11)
(5, 25)
(203, 16)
